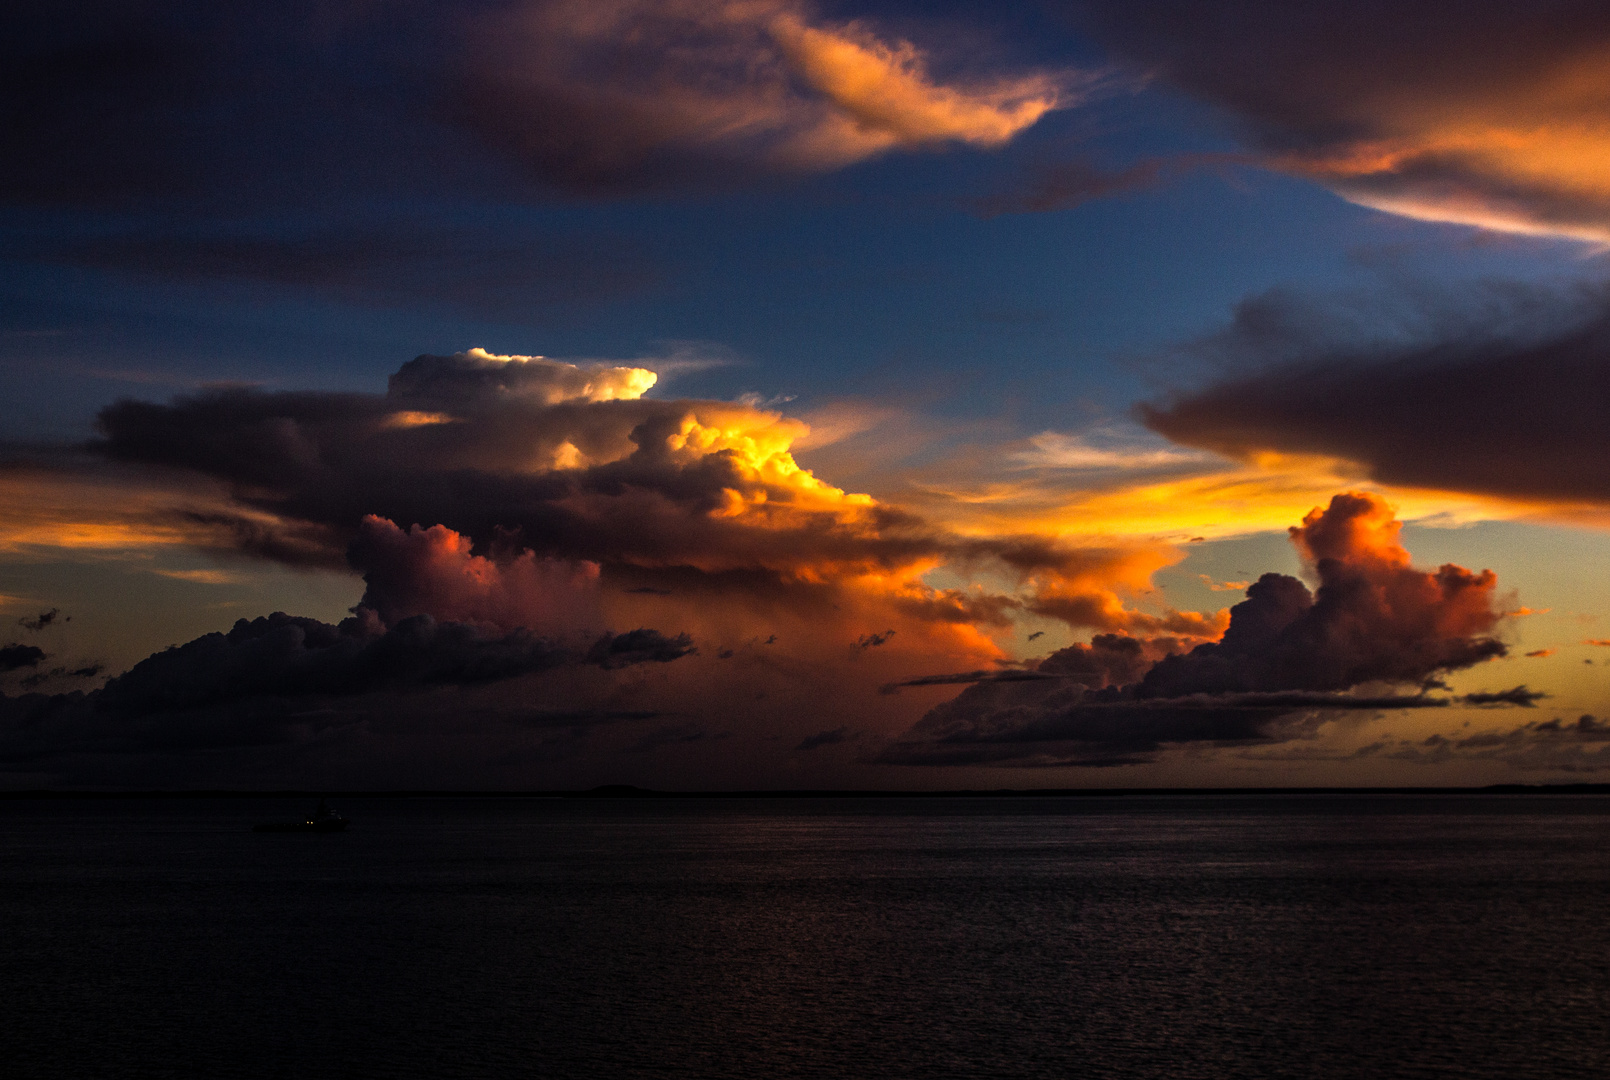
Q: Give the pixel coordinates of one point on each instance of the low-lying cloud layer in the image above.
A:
(257, 684)
(1287, 656)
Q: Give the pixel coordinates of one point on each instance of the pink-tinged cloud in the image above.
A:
(1287, 654)
(434, 572)
(571, 463)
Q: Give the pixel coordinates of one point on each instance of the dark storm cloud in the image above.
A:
(1096, 728)
(1517, 695)
(1486, 112)
(324, 461)
(281, 655)
(39, 678)
(1288, 656)
(638, 647)
(1507, 397)
(570, 463)
(262, 679)
(15, 656)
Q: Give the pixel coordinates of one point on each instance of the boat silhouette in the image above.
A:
(324, 820)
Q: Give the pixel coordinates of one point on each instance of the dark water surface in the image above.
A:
(1310, 936)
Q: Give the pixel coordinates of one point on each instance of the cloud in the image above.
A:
(1501, 394)
(1476, 113)
(16, 656)
(551, 501)
(42, 620)
(627, 93)
(1552, 746)
(832, 737)
(433, 571)
(281, 655)
(970, 677)
(638, 647)
(469, 379)
(258, 683)
(1054, 450)
(1518, 695)
(1287, 655)
(1374, 618)
(118, 106)
(571, 463)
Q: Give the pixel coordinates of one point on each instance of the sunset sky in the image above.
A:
(764, 394)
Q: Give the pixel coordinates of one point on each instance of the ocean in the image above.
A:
(1144, 936)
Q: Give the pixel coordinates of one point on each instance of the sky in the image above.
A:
(739, 394)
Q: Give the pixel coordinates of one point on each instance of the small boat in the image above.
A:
(323, 820)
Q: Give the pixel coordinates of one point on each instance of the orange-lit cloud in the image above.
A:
(631, 92)
(1223, 586)
(1523, 167)
(553, 501)
(1286, 657)
(522, 491)
(1486, 115)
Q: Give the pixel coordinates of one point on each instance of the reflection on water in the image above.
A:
(1368, 936)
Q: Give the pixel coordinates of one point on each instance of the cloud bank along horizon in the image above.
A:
(598, 563)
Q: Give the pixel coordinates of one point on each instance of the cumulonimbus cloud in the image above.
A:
(434, 572)
(1479, 113)
(574, 465)
(513, 509)
(1288, 653)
